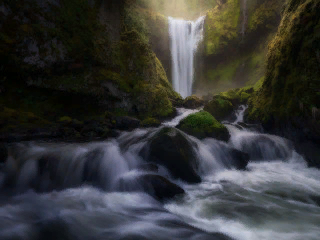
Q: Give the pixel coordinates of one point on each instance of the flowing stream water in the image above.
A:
(185, 37)
(43, 194)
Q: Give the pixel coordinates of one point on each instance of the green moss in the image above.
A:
(244, 97)
(150, 122)
(258, 84)
(203, 124)
(11, 120)
(153, 101)
(65, 119)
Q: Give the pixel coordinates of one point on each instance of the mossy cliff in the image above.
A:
(98, 52)
(289, 100)
(237, 33)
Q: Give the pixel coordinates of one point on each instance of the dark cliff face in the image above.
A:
(81, 49)
(288, 102)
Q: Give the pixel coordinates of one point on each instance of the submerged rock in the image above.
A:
(159, 187)
(241, 159)
(149, 167)
(202, 125)
(193, 102)
(170, 148)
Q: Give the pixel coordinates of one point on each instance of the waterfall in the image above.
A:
(185, 37)
(245, 18)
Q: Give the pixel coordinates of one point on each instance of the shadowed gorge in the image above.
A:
(159, 119)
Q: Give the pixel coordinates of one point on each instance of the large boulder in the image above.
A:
(202, 125)
(170, 148)
(193, 102)
(219, 107)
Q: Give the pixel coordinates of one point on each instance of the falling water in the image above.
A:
(245, 18)
(185, 37)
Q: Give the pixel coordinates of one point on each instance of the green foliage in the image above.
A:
(292, 68)
(264, 14)
(222, 26)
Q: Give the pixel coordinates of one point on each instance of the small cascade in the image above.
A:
(185, 37)
(240, 113)
(260, 146)
(182, 113)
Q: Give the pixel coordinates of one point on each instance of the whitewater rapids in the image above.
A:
(277, 197)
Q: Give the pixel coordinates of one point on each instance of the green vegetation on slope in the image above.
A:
(292, 77)
(234, 58)
(222, 26)
(98, 51)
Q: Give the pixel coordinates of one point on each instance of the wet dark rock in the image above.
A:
(150, 167)
(241, 159)
(3, 153)
(170, 148)
(159, 187)
(91, 167)
(127, 123)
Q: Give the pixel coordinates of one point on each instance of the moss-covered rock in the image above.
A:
(219, 107)
(170, 148)
(202, 125)
(192, 102)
